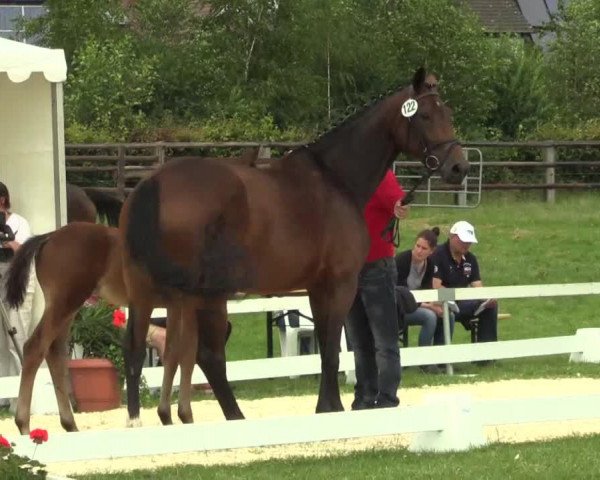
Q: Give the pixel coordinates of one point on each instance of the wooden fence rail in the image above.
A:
(128, 162)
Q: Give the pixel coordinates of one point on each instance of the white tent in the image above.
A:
(32, 163)
(32, 145)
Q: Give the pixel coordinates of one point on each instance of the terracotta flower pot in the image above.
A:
(95, 384)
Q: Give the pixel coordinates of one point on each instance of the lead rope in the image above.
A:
(391, 233)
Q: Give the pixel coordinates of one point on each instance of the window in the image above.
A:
(9, 14)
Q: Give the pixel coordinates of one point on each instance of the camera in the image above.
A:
(6, 233)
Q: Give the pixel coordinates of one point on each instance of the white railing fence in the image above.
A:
(456, 425)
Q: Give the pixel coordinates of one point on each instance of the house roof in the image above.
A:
(500, 16)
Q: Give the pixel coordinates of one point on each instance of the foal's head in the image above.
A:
(424, 126)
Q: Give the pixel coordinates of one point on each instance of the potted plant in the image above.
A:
(97, 332)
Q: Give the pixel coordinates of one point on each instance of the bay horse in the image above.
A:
(196, 232)
(85, 204)
(72, 263)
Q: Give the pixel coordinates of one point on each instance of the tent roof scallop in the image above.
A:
(20, 60)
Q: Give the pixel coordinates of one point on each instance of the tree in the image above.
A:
(571, 66)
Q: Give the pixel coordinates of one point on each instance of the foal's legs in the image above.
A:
(51, 332)
(212, 324)
(330, 304)
(134, 353)
(188, 340)
(170, 364)
(57, 358)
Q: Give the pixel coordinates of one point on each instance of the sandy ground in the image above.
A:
(269, 407)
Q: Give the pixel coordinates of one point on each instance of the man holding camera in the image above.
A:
(14, 231)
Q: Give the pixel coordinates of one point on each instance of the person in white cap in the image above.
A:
(456, 267)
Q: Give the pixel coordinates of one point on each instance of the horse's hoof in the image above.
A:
(133, 422)
(165, 418)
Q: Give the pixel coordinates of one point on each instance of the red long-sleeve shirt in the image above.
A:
(378, 212)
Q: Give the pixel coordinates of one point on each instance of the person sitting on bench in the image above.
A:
(415, 271)
(457, 267)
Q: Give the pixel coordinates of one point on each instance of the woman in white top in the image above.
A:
(20, 319)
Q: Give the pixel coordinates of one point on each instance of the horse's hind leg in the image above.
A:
(170, 363)
(134, 353)
(50, 328)
(33, 355)
(57, 364)
(187, 354)
(213, 326)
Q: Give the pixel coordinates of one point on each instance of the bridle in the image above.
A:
(430, 161)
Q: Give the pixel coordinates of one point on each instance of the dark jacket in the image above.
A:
(403, 261)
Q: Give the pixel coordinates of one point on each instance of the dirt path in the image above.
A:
(304, 405)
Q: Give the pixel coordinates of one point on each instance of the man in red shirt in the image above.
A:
(372, 323)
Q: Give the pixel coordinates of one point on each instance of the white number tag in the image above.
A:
(410, 107)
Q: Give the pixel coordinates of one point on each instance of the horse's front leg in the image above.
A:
(134, 353)
(330, 306)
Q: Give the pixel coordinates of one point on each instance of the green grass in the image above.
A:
(558, 459)
(522, 241)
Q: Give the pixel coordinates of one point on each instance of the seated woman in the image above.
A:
(415, 271)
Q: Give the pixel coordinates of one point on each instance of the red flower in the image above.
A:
(4, 442)
(119, 319)
(39, 435)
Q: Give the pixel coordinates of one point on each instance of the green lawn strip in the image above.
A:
(573, 457)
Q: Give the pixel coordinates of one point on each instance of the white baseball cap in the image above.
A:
(465, 231)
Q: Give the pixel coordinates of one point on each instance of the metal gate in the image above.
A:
(435, 192)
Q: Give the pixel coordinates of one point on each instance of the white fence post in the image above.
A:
(590, 346)
(463, 429)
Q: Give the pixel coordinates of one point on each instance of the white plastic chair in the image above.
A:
(291, 338)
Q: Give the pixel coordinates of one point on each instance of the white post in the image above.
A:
(463, 430)
(447, 335)
(550, 157)
(590, 346)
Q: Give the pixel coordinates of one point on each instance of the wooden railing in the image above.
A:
(123, 164)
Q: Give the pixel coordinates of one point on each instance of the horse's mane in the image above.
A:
(355, 113)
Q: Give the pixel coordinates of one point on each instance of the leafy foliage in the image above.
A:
(264, 67)
(110, 86)
(18, 467)
(572, 61)
(94, 329)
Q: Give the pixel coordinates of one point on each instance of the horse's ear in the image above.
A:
(431, 82)
(419, 80)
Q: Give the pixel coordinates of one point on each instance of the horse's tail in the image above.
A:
(20, 266)
(143, 238)
(106, 204)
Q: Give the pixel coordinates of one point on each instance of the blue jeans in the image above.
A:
(432, 327)
(372, 328)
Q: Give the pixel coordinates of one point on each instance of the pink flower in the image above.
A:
(4, 442)
(92, 300)
(119, 319)
(39, 435)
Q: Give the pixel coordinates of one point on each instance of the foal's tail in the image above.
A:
(143, 238)
(20, 266)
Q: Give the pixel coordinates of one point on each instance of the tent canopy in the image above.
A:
(32, 132)
(19, 61)
(32, 144)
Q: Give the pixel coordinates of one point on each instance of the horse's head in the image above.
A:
(424, 128)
